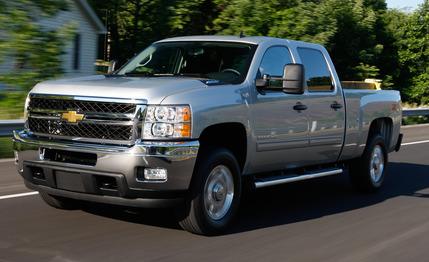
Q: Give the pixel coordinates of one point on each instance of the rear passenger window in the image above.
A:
(317, 74)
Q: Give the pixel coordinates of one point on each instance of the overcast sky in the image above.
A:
(403, 3)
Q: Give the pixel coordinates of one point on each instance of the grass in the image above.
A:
(415, 120)
(6, 150)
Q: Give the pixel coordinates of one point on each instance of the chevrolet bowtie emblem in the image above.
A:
(72, 116)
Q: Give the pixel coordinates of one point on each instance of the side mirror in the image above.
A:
(293, 79)
(263, 82)
(112, 66)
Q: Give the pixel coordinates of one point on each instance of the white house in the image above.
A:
(81, 52)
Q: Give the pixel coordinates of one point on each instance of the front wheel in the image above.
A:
(215, 193)
(367, 173)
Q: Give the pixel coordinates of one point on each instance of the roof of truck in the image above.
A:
(223, 38)
(237, 39)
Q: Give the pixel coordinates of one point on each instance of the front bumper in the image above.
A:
(113, 163)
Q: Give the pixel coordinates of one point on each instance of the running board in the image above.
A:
(272, 181)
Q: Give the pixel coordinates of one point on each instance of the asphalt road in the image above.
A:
(319, 220)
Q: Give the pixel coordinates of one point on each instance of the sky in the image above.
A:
(403, 3)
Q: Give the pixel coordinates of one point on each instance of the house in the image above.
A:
(81, 52)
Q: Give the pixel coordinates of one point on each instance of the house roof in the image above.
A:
(92, 16)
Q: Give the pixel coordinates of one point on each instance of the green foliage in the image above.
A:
(6, 147)
(415, 120)
(413, 53)
(33, 51)
(135, 24)
(364, 71)
(252, 17)
(317, 23)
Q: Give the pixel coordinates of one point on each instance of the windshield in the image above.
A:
(226, 62)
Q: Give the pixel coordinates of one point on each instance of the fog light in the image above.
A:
(159, 174)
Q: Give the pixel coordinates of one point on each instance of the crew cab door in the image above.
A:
(326, 109)
(281, 132)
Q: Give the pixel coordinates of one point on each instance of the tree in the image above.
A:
(33, 50)
(135, 24)
(347, 28)
(252, 17)
(414, 54)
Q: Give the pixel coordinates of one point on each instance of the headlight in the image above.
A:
(167, 122)
(27, 103)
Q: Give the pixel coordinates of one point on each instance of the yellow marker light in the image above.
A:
(183, 130)
(186, 114)
(72, 116)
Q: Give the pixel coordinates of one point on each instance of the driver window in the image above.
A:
(274, 60)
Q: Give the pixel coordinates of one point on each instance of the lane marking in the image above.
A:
(18, 195)
(415, 143)
(415, 126)
(5, 160)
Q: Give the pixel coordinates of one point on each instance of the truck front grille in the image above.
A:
(103, 122)
(82, 106)
(86, 130)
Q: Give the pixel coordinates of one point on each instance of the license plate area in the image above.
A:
(69, 181)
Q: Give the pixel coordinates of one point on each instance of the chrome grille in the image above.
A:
(103, 121)
(98, 131)
(81, 106)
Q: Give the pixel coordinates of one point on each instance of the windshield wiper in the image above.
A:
(195, 75)
(147, 74)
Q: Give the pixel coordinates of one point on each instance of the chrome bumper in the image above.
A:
(118, 162)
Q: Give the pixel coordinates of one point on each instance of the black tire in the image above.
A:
(195, 217)
(59, 202)
(360, 169)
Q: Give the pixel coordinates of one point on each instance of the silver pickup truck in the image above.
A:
(193, 122)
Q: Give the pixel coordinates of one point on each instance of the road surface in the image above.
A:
(320, 220)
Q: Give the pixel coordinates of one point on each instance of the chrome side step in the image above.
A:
(272, 181)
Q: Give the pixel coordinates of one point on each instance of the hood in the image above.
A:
(151, 89)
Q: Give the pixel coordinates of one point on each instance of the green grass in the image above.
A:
(6, 150)
(414, 120)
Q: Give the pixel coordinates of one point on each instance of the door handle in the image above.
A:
(336, 106)
(299, 107)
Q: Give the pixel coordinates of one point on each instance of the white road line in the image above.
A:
(5, 160)
(18, 195)
(415, 126)
(415, 143)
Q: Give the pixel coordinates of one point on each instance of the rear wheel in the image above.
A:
(216, 193)
(59, 202)
(367, 173)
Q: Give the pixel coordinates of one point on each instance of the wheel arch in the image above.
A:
(230, 135)
(382, 126)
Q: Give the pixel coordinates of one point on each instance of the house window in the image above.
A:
(76, 52)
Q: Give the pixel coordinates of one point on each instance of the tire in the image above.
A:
(215, 193)
(367, 172)
(59, 202)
